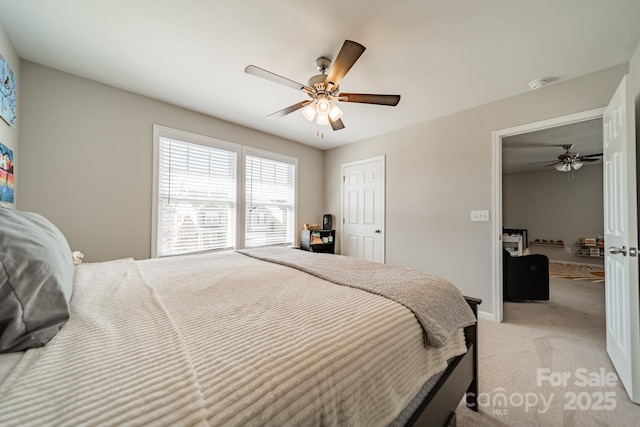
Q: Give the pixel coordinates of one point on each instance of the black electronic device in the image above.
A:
(326, 222)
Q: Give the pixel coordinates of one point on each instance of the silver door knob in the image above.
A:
(614, 250)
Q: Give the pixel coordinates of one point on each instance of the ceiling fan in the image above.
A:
(569, 161)
(324, 88)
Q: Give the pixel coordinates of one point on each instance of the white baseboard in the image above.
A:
(486, 316)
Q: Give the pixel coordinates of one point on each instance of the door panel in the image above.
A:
(353, 207)
(352, 246)
(363, 210)
(369, 207)
(369, 248)
(621, 219)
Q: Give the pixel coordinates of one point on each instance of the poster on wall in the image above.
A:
(6, 175)
(7, 93)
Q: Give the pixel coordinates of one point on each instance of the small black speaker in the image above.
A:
(326, 222)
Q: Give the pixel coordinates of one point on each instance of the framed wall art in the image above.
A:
(7, 185)
(7, 93)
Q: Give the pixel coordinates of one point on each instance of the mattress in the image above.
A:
(222, 339)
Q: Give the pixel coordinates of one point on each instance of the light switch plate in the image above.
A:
(479, 216)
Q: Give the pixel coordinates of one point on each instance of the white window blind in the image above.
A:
(196, 197)
(269, 201)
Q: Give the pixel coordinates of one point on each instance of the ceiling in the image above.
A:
(542, 147)
(440, 56)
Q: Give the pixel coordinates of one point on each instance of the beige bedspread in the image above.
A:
(221, 339)
(438, 305)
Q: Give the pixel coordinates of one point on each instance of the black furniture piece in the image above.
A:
(525, 278)
(327, 219)
(324, 241)
(460, 379)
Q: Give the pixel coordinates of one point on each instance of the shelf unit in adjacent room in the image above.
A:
(550, 244)
(513, 244)
(318, 241)
(591, 247)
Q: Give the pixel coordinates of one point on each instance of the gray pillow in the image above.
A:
(36, 280)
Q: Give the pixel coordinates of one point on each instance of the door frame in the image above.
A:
(496, 241)
(383, 160)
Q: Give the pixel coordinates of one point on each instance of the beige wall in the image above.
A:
(8, 134)
(554, 206)
(438, 171)
(86, 158)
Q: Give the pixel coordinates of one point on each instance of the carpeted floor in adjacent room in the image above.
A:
(540, 342)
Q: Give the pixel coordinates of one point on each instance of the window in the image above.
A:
(209, 196)
(196, 196)
(270, 188)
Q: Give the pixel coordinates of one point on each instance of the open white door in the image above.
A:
(621, 239)
(363, 209)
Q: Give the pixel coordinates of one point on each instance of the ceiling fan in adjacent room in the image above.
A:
(570, 161)
(324, 88)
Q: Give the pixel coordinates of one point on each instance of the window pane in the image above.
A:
(270, 202)
(196, 197)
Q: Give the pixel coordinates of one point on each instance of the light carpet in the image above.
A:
(538, 343)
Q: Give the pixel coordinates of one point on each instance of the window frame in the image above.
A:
(160, 132)
(269, 155)
(241, 154)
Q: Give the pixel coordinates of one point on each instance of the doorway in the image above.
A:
(498, 137)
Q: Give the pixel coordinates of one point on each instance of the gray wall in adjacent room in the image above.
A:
(553, 205)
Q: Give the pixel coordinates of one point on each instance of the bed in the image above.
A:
(268, 336)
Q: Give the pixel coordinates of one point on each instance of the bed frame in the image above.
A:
(460, 378)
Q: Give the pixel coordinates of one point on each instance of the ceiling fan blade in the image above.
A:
(289, 109)
(366, 98)
(546, 161)
(268, 75)
(348, 55)
(587, 160)
(337, 125)
(554, 163)
(591, 155)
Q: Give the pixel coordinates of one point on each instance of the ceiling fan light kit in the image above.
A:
(566, 167)
(322, 119)
(570, 161)
(309, 112)
(324, 88)
(335, 112)
(323, 111)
